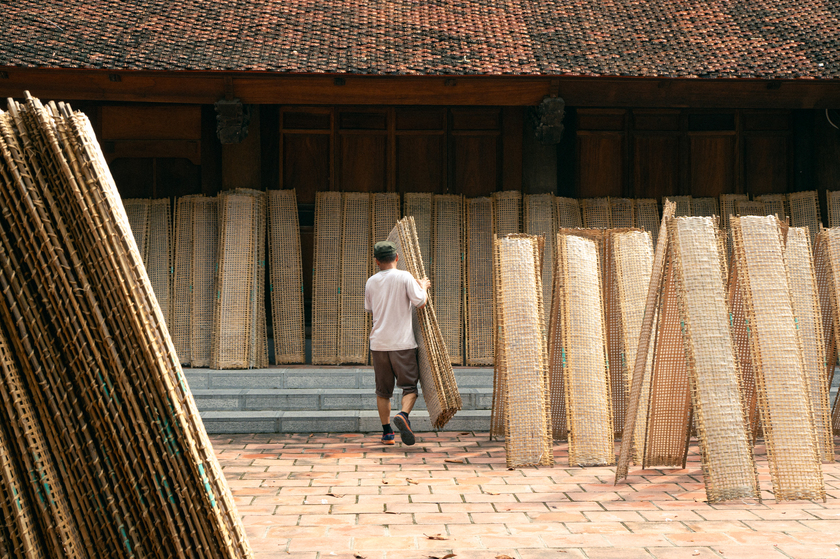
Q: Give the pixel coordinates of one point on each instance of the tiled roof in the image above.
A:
(673, 38)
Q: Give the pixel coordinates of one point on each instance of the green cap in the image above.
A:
(383, 249)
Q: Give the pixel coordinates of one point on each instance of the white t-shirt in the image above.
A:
(390, 296)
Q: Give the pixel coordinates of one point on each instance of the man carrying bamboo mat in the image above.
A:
(390, 296)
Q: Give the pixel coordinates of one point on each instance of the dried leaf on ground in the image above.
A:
(436, 537)
(454, 461)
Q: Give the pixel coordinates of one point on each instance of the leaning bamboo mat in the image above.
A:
(750, 207)
(355, 261)
(775, 204)
(596, 213)
(131, 454)
(479, 271)
(705, 206)
(234, 306)
(259, 342)
(806, 308)
(137, 210)
(419, 206)
(568, 213)
(833, 204)
(159, 254)
(448, 271)
(728, 204)
(622, 213)
(647, 217)
(729, 468)
(683, 204)
(180, 325)
(326, 278)
(776, 346)
(583, 330)
(507, 212)
(522, 351)
(205, 246)
(615, 340)
(741, 338)
(805, 211)
(286, 287)
(633, 258)
(437, 379)
(539, 219)
(828, 271)
(556, 357)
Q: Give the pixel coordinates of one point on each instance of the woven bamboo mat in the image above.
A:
(568, 213)
(539, 218)
(833, 202)
(729, 468)
(286, 287)
(775, 204)
(583, 330)
(205, 246)
(479, 273)
(136, 466)
(448, 271)
(180, 326)
(259, 334)
(827, 267)
(750, 207)
(783, 397)
(522, 351)
(805, 211)
(385, 213)
(556, 357)
(137, 210)
(644, 353)
(806, 308)
(419, 206)
(159, 254)
(615, 341)
(507, 212)
(355, 262)
(326, 278)
(437, 379)
(705, 206)
(633, 261)
(596, 213)
(647, 217)
(622, 213)
(728, 203)
(683, 204)
(741, 339)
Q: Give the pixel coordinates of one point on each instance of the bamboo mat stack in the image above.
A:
(159, 254)
(448, 272)
(437, 379)
(286, 287)
(204, 236)
(97, 410)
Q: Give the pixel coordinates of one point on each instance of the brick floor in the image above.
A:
(345, 496)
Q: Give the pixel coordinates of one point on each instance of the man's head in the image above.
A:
(385, 254)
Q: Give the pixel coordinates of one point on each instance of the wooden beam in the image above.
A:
(321, 89)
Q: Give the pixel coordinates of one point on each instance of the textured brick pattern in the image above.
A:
(339, 496)
(693, 38)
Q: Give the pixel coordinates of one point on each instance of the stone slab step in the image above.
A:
(316, 399)
(338, 421)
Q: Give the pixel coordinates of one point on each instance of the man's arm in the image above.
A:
(424, 284)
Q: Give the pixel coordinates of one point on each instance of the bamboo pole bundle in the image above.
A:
(137, 469)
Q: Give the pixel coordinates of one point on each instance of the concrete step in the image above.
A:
(316, 399)
(337, 421)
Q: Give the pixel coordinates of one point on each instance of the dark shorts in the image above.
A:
(391, 366)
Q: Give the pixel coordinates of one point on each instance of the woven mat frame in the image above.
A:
(783, 397)
(832, 198)
(159, 254)
(585, 371)
(647, 217)
(259, 357)
(568, 213)
(326, 278)
(728, 203)
(522, 354)
(633, 263)
(705, 206)
(775, 204)
(556, 358)
(540, 219)
(729, 469)
(596, 213)
(419, 206)
(507, 212)
(139, 470)
(137, 210)
(205, 246)
(448, 272)
(683, 204)
(644, 351)
(285, 269)
(741, 339)
(354, 321)
(437, 379)
(805, 212)
(806, 308)
(827, 267)
(180, 325)
(750, 207)
(479, 272)
(622, 213)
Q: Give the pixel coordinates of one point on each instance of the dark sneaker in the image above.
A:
(388, 438)
(402, 423)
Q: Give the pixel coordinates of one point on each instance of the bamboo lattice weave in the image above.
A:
(205, 246)
(633, 257)
(137, 210)
(419, 206)
(828, 272)
(286, 285)
(783, 398)
(647, 217)
(479, 273)
(806, 308)
(507, 210)
(596, 213)
(683, 204)
(747, 207)
(825, 290)
(833, 201)
(556, 355)
(725, 442)
(159, 254)
(568, 213)
(775, 204)
(741, 338)
(181, 323)
(326, 278)
(622, 213)
(355, 261)
(447, 272)
(615, 341)
(259, 352)
(706, 207)
(805, 211)
(585, 372)
(539, 217)
(522, 351)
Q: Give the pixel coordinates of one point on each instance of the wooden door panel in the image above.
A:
(656, 166)
(712, 164)
(600, 165)
(306, 164)
(362, 163)
(421, 164)
(766, 164)
(476, 165)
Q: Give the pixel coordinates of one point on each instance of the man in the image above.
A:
(390, 296)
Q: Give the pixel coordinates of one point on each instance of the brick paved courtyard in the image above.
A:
(344, 495)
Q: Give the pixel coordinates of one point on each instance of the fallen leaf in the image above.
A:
(503, 557)
(413, 482)
(390, 512)
(437, 537)
(447, 556)
(511, 469)
(453, 461)
(357, 556)
(384, 482)
(696, 553)
(334, 495)
(491, 492)
(465, 433)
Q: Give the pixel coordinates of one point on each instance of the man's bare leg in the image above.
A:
(384, 407)
(408, 401)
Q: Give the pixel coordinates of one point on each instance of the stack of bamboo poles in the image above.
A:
(437, 379)
(102, 445)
